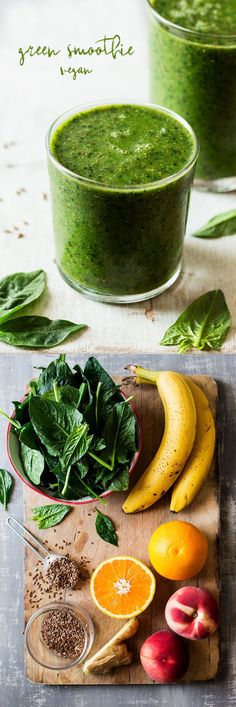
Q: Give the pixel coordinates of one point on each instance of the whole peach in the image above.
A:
(192, 613)
(164, 657)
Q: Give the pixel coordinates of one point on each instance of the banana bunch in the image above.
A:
(187, 447)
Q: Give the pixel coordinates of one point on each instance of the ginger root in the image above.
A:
(114, 653)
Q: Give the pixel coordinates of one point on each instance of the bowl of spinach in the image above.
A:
(74, 437)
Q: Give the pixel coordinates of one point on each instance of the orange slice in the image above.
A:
(122, 587)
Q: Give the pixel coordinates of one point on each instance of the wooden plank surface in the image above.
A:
(134, 532)
(16, 690)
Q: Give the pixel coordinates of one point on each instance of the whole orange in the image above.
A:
(178, 550)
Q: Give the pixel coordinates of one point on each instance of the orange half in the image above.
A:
(122, 587)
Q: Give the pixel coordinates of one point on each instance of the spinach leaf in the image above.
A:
(78, 437)
(53, 422)
(120, 481)
(21, 410)
(105, 528)
(95, 374)
(33, 463)
(47, 516)
(72, 396)
(79, 376)
(120, 433)
(31, 457)
(19, 290)
(66, 394)
(100, 406)
(102, 475)
(83, 467)
(37, 332)
(50, 460)
(75, 488)
(27, 435)
(6, 483)
(76, 445)
(221, 225)
(98, 443)
(203, 325)
(58, 371)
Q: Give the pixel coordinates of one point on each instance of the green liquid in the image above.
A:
(122, 145)
(195, 75)
(200, 15)
(114, 234)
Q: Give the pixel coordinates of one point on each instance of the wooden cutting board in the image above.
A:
(77, 535)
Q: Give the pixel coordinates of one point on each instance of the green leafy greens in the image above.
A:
(37, 332)
(218, 226)
(18, 290)
(6, 484)
(77, 433)
(47, 516)
(105, 528)
(203, 325)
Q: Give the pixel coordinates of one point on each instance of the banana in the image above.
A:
(199, 462)
(176, 444)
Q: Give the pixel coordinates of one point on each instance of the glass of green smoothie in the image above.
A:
(120, 178)
(193, 72)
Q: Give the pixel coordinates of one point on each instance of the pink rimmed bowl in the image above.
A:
(13, 451)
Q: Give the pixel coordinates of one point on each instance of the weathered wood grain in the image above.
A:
(134, 532)
(16, 690)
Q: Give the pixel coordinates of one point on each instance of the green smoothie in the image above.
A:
(120, 180)
(193, 71)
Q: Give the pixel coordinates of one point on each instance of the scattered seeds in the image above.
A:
(8, 144)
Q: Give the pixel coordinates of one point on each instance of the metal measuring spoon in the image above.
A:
(38, 548)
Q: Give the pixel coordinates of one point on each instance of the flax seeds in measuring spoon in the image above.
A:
(61, 572)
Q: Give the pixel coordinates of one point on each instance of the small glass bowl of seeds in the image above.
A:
(59, 635)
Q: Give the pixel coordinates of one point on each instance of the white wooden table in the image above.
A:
(31, 97)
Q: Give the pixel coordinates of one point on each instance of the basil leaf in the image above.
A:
(105, 528)
(218, 226)
(37, 332)
(6, 483)
(203, 325)
(19, 290)
(53, 422)
(47, 516)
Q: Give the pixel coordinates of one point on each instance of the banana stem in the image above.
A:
(144, 381)
(143, 375)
